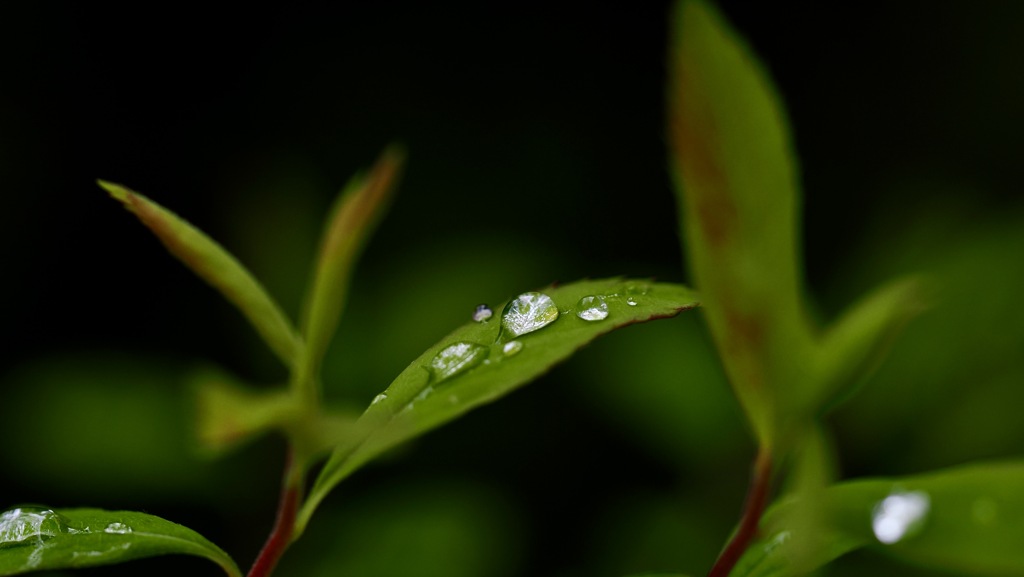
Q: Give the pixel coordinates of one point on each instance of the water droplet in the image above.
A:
(527, 313)
(631, 301)
(899, 515)
(592, 308)
(483, 313)
(379, 398)
(457, 358)
(20, 524)
(118, 528)
(638, 289)
(511, 348)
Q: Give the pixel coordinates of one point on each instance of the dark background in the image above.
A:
(536, 154)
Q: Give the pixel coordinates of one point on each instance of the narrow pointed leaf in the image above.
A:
(353, 218)
(36, 539)
(217, 267)
(737, 183)
(480, 370)
(966, 519)
(856, 342)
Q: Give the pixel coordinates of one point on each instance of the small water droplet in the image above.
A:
(511, 348)
(899, 515)
(631, 301)
(527, 313)
(638, 289)
(20, 524)
(118, 528)
(592, 308)
(482, 314)
(457, 358)
(379, 398)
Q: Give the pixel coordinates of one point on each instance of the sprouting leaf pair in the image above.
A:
(230, 414)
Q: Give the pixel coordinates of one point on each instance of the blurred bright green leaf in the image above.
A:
(36, 538)
(217, 267)
(964, 519)
(856, 342)
(353, 218)
(736, 180)
(418, 400)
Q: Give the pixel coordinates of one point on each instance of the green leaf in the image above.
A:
(36, 538)
(217, 267)
(420, 400)
(229, 413)
(965, 519)
(855, 343)
(737, 184)
(353, 218)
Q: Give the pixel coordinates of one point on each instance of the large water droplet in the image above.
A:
(512, 347)
(21, 524)
(457, 358)
(899, 515)
(592, 308)
(631, 301)
(527, 313)
(118, 528)
(483, 313)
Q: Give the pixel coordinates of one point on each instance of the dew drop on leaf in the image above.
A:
(379, 398)
(631, 301)
(639, 289)
(512, 347)
(592, 308)
(527, 313)
(117, 529)
(22, 524)
(457, 358)
(899, 515)
(482, 314)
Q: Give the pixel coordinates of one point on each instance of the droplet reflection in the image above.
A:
(899, 515)
(527, 313)
(592, 308)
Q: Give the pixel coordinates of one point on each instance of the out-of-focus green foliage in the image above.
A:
(965, 519)
(737, 182)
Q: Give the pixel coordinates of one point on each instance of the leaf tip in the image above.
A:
(116, 191)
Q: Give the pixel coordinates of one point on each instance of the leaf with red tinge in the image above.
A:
(358, 209)
(212, 263)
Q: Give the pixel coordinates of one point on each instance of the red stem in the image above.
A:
(281, 536)
(757, 498)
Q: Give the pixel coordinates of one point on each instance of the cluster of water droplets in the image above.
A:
(527, 313)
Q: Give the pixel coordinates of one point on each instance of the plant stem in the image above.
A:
(757, 497)
(281, 536)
